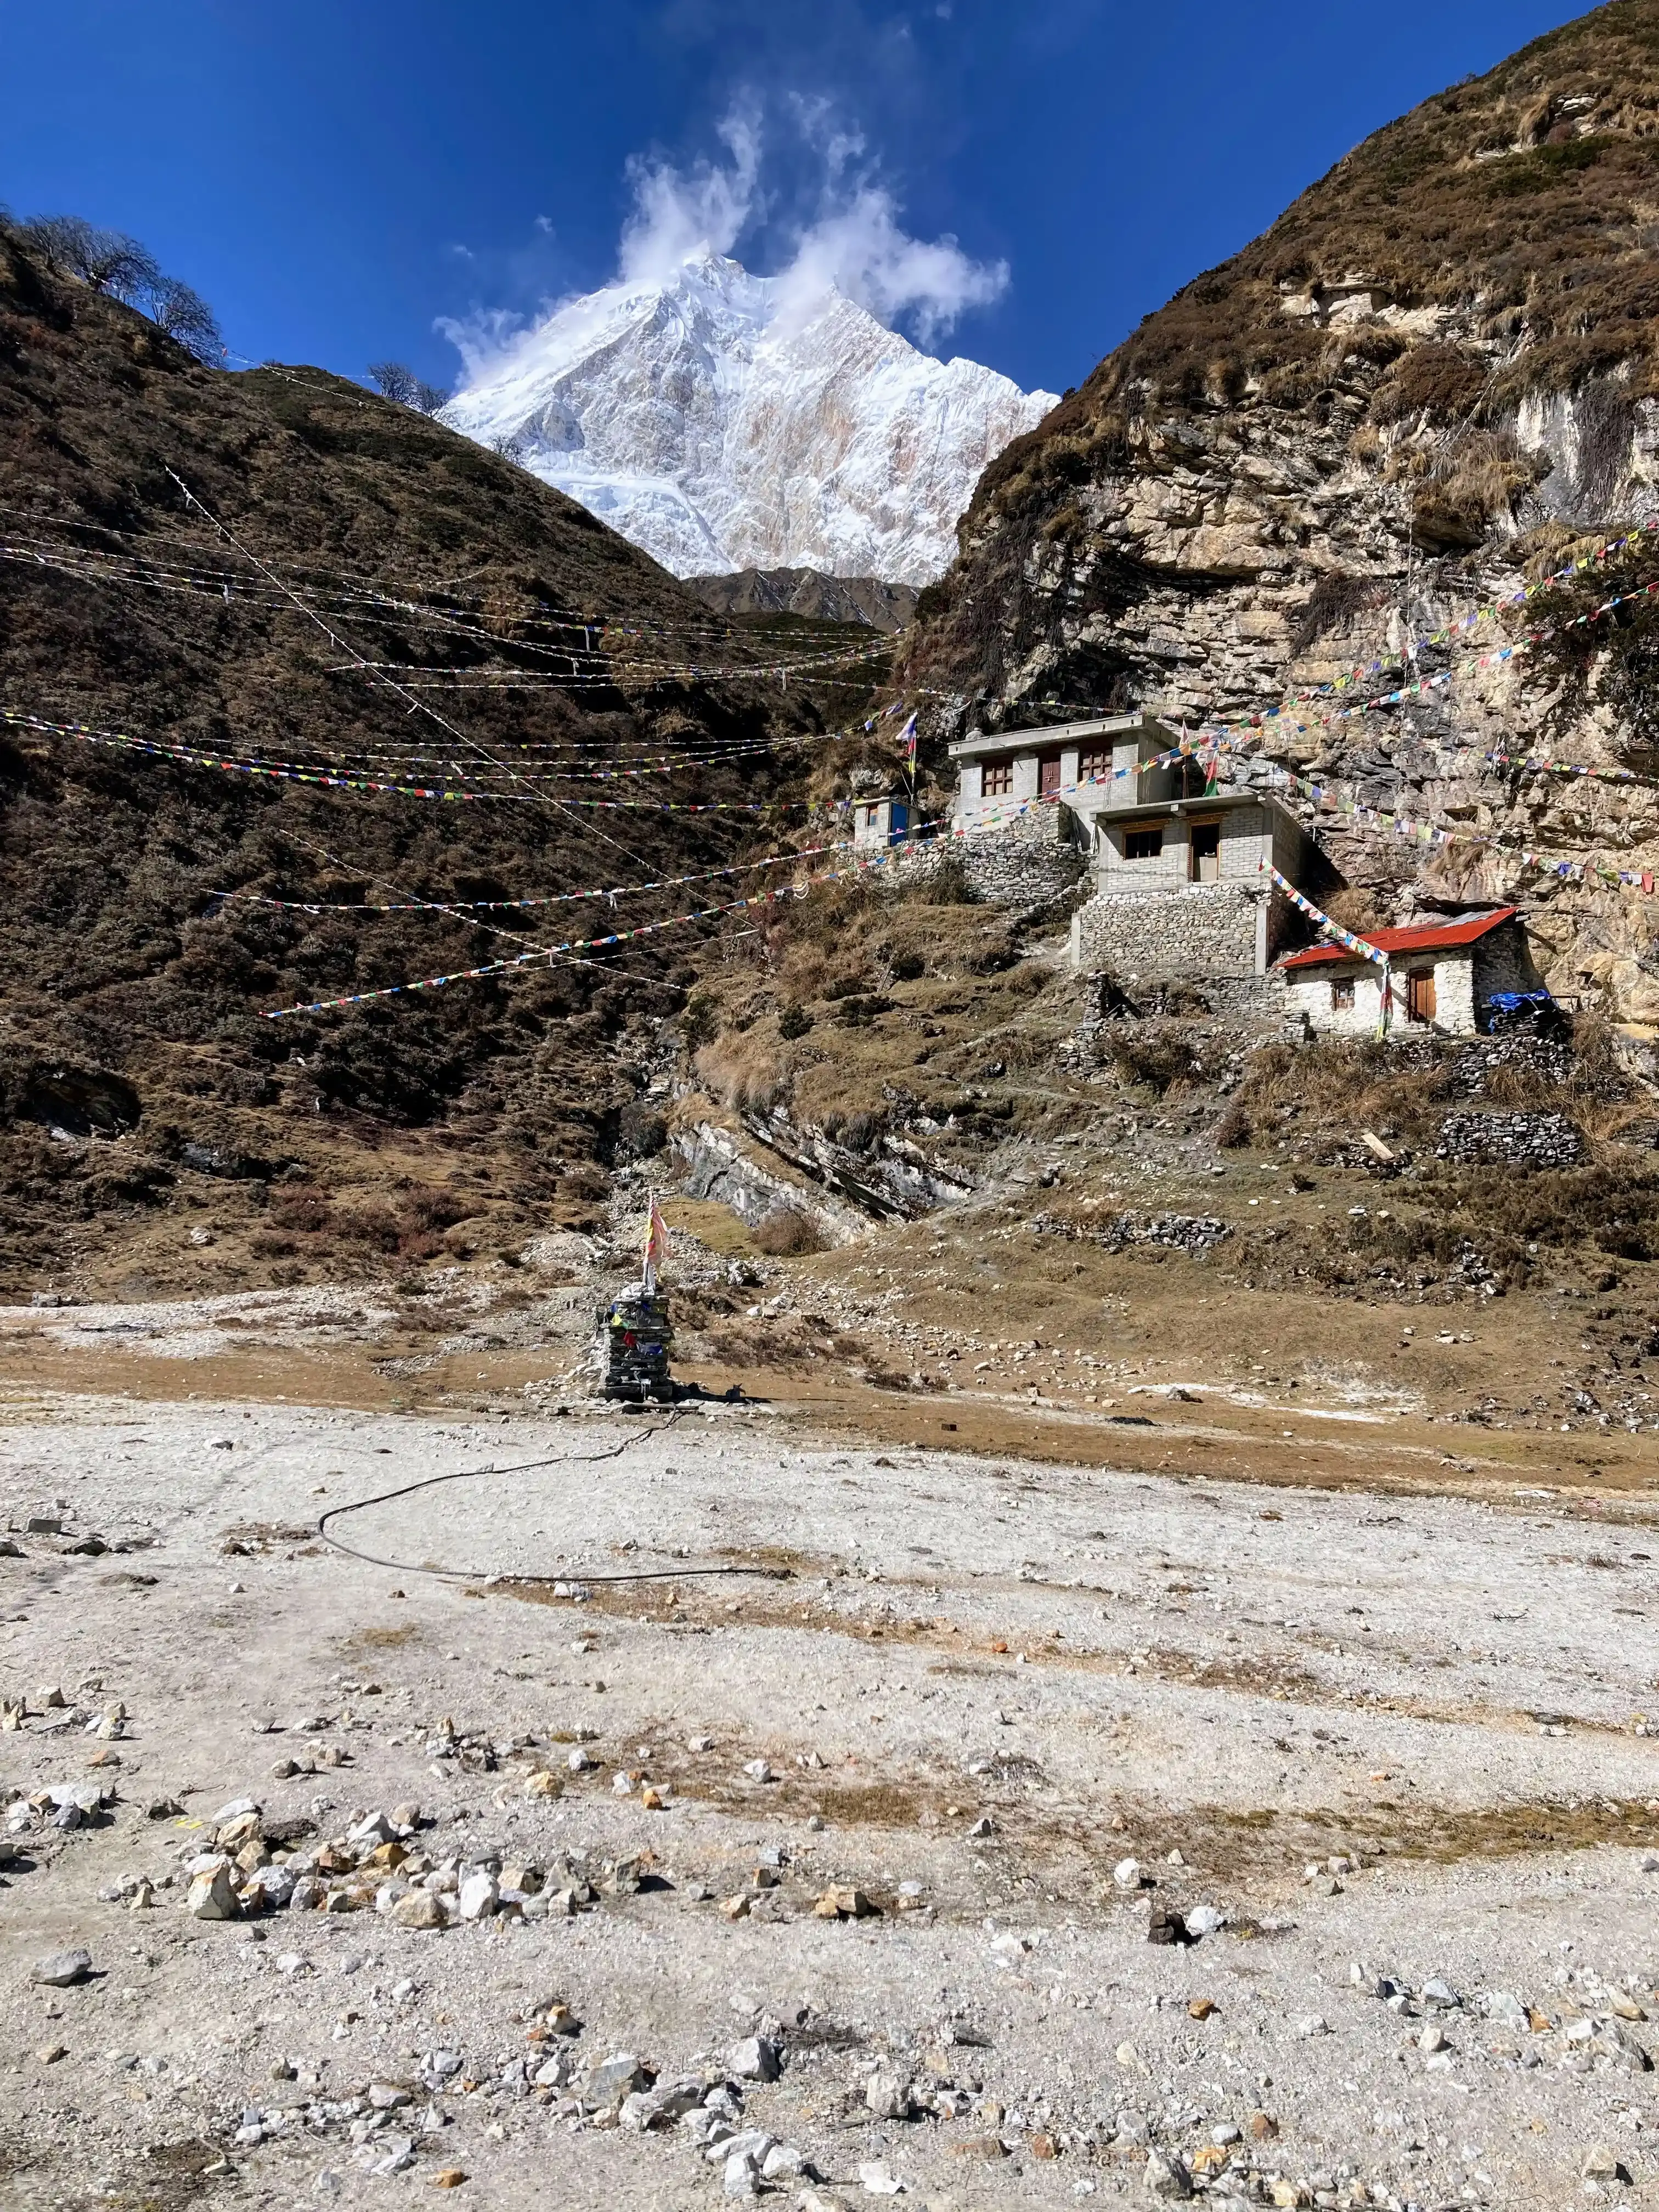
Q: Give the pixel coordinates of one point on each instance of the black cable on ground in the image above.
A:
(526, 1466)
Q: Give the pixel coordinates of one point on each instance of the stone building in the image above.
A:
(1440, 979)
(1178, 881)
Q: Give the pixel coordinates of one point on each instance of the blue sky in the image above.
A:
(337, 177)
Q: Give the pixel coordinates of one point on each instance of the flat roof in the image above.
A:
(1449, 937)
(1047, 739)
(1159, 810)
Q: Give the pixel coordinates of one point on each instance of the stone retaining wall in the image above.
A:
(1029, 863)
(1521, 1140)
(1200, 930)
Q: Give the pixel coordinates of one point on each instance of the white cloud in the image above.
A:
(678, 215)
(853, 240)
(483, 338)
(860, 247)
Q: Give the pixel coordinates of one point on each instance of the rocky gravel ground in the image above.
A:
(984, 1832)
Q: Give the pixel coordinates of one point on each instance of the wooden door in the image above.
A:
(1419, 996)
(1048, 773)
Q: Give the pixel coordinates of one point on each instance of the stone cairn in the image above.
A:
(635, 1336)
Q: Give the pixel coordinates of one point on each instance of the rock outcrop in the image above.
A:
(1434, 381)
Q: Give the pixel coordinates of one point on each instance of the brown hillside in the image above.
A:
(133, 996)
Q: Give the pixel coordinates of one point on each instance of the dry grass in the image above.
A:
(1327, 1085)
(744, 1069)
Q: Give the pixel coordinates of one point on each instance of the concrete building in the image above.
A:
(1088, 768)
(1180, 887)
(1440, 979)
(880, 822)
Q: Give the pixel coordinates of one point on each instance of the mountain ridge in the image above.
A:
(808, 592)
(149, 938)
(723, 422)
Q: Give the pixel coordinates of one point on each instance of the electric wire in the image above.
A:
(530, 1467)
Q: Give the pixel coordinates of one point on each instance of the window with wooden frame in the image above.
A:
(1095, 763)
(998, 779)
(1142, 844)
(1342, 994)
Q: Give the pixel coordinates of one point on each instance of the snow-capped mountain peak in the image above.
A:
(723, 420)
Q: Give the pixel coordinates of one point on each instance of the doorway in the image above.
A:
(1419, 996)
(1205, 866)
(1048, 773)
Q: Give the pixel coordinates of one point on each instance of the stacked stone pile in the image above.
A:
(635, 1335)
(1181, 1232)
(1521, 1140)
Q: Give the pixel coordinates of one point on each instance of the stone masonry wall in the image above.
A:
(1028, 863)
(1199, 930)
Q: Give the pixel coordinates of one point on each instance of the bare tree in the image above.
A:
(394, 381)
(186, 317)
(514, 446)
(108, 260)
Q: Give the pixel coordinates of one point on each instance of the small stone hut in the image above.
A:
(1441, 978)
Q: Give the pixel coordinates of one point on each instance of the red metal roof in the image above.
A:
(1449, 938)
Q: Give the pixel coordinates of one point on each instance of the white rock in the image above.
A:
(754, 2060)
(478, 1897)
(212, 1896)
(1127, 1873)
(1204, 1920)
(272, 1886)
(1506, 2010)
(1167, 2176)
(875, 2177)
(759, 1770)
(887, 2097)
(63, 1969)
(740, 2176)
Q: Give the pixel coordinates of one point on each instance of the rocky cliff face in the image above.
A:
(722, 422)
(1432, 382)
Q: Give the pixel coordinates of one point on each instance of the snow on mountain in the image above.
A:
(722, 421)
